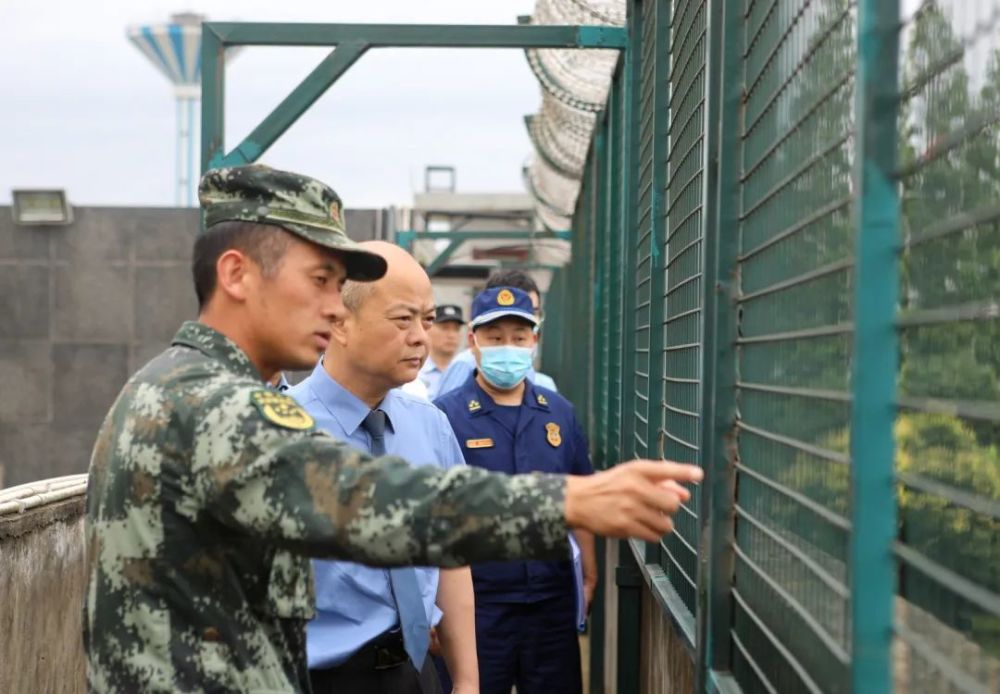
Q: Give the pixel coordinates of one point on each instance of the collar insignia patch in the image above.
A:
(281, 410)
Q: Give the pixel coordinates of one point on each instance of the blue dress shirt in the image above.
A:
(462, 366)
(354, 603)
(430, 375)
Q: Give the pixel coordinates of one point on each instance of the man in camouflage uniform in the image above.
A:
(208, 489)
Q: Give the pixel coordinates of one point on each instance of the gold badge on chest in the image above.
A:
(552, 434)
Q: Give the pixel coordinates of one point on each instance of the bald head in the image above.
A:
(381, 340)
(402, 269)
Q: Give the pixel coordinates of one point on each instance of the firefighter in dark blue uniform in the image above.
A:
(526, 612)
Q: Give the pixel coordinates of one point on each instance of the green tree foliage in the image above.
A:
(952, 166)
(951, 181)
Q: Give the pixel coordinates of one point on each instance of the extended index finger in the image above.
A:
(664, 470)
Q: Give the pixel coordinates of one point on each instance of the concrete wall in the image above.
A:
(42, 584)
(81, 308)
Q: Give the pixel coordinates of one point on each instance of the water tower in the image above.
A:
(175, 49)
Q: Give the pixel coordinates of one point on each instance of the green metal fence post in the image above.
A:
(630, 109)
(616, 226)
(611, 221)
(627, 573)
(630, 583)
(718, 420)
(658, 234)
(598, 442)
(595, 263)
(213, 96)
(599, 438)
(876, 359)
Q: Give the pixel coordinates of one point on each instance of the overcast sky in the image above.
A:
(81, 108)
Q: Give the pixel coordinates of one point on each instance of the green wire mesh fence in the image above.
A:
(786, 268)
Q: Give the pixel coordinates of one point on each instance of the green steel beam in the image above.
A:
(293, 106)
(443, 257)
(213, 100)
(417, 35)
(406, 237)
(530, 266)
(353, 40)
(719, 325)
(876, 347)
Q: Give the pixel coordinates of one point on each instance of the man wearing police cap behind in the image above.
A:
(527, 612)
(444, 340)
(208, 490)
(464, 363)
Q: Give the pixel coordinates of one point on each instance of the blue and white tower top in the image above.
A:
(175, 49)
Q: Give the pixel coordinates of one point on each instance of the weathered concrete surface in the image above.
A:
(42, 584)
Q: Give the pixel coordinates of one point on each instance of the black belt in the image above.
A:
(383, 652)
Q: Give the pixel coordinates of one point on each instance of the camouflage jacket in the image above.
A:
(207, 493)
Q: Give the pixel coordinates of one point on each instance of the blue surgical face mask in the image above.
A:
(504, 366)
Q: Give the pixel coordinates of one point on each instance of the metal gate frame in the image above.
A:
(351, 41)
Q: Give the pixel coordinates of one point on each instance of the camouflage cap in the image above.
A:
(299, 204)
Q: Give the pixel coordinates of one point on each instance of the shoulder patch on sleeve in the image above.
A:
(281, 410)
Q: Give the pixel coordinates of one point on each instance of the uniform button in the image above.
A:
(210, 634)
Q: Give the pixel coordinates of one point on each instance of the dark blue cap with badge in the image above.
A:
(501, 302)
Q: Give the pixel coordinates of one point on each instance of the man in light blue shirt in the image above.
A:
(444, 338)
(464, 363)
(360, 640)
